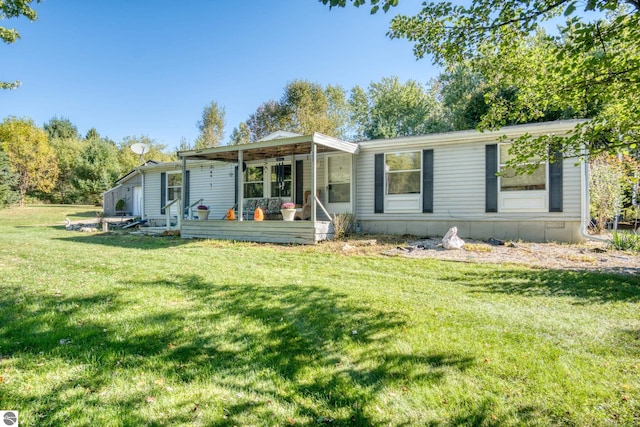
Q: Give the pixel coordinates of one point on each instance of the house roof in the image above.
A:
(558, 127)
(266, 149)
(133, 172)
(280, 134)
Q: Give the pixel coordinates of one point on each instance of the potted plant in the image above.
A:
(203, 212)
(288, 211)
(120, 204)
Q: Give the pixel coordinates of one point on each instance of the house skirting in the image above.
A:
(528, 230)
(298, 232)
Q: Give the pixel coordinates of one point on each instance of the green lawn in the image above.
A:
(130, 330)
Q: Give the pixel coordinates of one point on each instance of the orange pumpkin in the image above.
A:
(258, 215)
(231, 215)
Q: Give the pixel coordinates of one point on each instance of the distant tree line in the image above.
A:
(55, 164)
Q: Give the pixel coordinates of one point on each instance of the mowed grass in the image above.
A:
(130, 330)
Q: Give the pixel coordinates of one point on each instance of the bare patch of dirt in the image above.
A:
(590, 255)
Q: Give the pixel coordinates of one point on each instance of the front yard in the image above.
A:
(136, 330)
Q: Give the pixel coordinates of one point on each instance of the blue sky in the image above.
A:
(142, 67)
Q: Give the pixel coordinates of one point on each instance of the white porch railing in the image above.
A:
(167, 213)
(190, 208)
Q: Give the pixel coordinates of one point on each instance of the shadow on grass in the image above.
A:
(586, 287)
(305, 348)
(125, 240)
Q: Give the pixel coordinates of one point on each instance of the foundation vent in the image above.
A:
(555, 224)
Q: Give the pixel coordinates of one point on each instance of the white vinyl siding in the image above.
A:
(214, 182)
(458, 185)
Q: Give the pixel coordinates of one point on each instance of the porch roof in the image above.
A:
(272, 148)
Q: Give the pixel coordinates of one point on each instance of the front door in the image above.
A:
(338, 183)
(137, 201)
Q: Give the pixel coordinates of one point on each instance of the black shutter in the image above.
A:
(427, 181)
(491, 179)
(163, 192)
(299, 182)
(186, 191)
(555, 183)
(235, 180)
(379, 183)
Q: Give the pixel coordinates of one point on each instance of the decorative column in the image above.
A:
(240, 185)
(314, 160)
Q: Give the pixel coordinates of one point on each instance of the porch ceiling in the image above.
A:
(272, 148)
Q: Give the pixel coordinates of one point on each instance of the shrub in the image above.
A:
(626, 241)
(606, 189)
(343, 224)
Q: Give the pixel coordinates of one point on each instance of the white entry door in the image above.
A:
(338, 183)
(137, 201)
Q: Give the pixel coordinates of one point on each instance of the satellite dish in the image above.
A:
(140, 148)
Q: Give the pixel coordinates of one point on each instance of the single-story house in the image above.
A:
(128, 190)
(420, 185)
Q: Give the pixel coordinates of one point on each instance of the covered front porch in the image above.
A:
(255, 164)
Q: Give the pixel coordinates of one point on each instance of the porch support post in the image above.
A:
(240, 185)
(352, 179)
(314, 161)
(183, 190)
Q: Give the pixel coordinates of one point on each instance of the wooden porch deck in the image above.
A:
(298, 232)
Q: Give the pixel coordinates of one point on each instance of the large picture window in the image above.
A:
(254, 182)
(402, 172)
(510, 181)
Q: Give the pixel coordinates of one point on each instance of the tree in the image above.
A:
(268, 118)
(184, 145)
(591, 68)
(61, 128)
(31, 157)
(395, 109)
(67, 145)
(96, 171)
(68, 152)
(606, 189)
(304, 108)
(129, 160)
(211, 126)
(92, 134)
(462, 91)
(14, 9)
(241, 134)
(8, 180)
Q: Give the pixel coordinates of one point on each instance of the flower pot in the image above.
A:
(288, 214)
(203, 214)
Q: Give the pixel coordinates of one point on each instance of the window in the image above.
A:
(174, 186)
(254, 182)
(510, 181)
(281, 180)
(402, 172)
